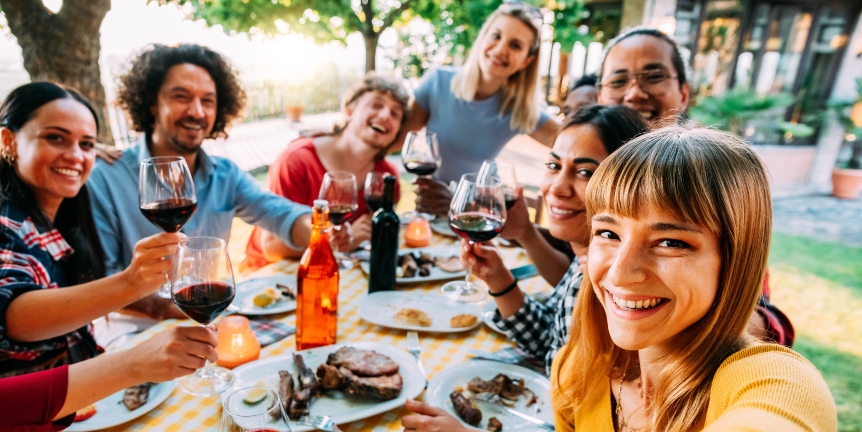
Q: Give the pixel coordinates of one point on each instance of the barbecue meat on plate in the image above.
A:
(137, 396)
(363, 363)
(384, 387)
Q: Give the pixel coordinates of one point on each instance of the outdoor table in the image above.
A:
(185, 412)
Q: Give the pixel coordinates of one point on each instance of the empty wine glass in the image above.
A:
(506, 173)
(374, 190)
(420, 154)
(166, 195)
(202, 288)
(477, 213)
(253, 409)
(339, 190)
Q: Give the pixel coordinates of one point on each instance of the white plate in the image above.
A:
(488, 316)
(110, 411)
(246, 290)
(380, 308)
(437, 274)
(341, 407)
(446, 380)
(441, 226)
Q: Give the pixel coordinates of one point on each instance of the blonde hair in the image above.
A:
(519, 93)
(701, 176)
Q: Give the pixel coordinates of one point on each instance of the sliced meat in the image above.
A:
(494, 425)
(330, 378)
(382, 387)
(363, 362)
(501, 385)
(301, 403)
(136, 396)
(465, 409)
(285, 392)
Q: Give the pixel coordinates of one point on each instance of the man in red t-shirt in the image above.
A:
(374, 110)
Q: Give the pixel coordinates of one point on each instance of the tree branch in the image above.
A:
(97, 9)
(369, 16)
(392, 16)
(24, 16)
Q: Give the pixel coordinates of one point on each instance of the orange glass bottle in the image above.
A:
(317, 286)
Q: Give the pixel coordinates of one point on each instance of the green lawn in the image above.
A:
(819, 286)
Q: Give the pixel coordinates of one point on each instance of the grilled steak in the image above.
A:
(494, 425)
(382, 387)
(363, 362)
(465, 409)
(330, 377)
(500, 385)
(136, 396)
(285, 392)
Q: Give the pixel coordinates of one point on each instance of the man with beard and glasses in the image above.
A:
(177, 97)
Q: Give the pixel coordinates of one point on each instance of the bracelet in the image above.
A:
(505, 291)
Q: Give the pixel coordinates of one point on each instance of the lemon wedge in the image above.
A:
(254, 396)
(263, 299)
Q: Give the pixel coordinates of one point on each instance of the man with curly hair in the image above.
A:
(177, 97)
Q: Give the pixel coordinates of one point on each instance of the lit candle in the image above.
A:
(237, 344)
(418, 232)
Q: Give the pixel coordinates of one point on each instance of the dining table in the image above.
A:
(186, 412)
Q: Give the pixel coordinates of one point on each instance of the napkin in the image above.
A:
(270, 331)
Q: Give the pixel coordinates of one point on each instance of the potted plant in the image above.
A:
(847, 174)
(295, 105)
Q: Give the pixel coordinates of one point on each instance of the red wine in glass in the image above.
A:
(171, 214)
(373, 202)
(510, 199)
(204, 301)
(477, 227)
(420, 168)
(340, 214)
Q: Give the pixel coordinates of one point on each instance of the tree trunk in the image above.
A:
(370, 50)
(63, 47)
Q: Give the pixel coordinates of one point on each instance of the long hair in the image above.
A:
(139, 87)
(701, 176)
(74, 219)
(615, 124)
(520, 95)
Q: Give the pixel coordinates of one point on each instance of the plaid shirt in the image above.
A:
(543, 328)
(29, 261)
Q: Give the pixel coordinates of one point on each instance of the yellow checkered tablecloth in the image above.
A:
(184, 412)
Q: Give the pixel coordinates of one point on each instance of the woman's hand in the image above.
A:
(341, 239)
(151, 263)
(429, 419)
(487, 264)
(108, 153)
(172, 353)
(517, 220)
(432, 197)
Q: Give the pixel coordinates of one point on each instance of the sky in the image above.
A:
(132, 24)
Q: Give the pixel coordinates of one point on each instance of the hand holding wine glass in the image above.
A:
(477, 214)
(166, 195)
(339, 190)
(203, 287)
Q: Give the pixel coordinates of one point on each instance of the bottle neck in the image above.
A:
(388, 195)
(319, 219)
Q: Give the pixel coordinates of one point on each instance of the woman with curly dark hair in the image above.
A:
(177, 97)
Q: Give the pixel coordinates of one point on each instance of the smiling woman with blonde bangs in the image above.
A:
(680, 225)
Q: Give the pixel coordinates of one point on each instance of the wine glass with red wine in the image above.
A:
(420, 154)
(339, 189)
(202, 288)
(506, 173)
(374, 190)
(166, 195)
(254, 409)
(477, 213)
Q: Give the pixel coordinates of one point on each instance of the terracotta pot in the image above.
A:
(294, 112)
(846, 183)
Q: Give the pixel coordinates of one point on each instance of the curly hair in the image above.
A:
(139, 87)
(374, 82)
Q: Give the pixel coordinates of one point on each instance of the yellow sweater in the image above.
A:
(762, 388)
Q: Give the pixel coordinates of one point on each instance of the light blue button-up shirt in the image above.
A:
(223, 191)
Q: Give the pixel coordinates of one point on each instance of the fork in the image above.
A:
(487, 398)
(323, 423)
(414, 348)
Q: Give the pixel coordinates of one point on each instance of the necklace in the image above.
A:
(619, 410)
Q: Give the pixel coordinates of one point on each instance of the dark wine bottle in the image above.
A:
(384, 242)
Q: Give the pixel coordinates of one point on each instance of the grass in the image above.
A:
(819, 286)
